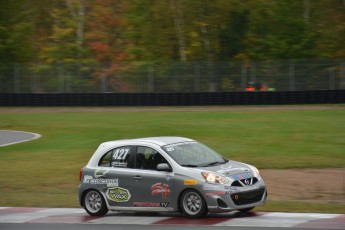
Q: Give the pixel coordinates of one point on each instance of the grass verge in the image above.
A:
(44, 172)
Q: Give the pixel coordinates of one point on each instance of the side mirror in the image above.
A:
(163, 167)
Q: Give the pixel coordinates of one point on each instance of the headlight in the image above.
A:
(213, 178)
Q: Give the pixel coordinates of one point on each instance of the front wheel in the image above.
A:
(94, 203)
(192, 204)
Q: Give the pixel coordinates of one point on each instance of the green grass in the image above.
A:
(44, 172)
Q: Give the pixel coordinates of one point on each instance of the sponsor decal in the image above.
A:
(86, 178)
(168, 178)
(151, 204)
(108, 182)
(190, 182)
(242, 176)
(119, 164)
(227, 187)
(216, 193)
(211, 187)
(160, 188)
(100, 173)
(170, 147)
(118, 194)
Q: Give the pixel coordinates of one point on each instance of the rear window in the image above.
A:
(118, 157)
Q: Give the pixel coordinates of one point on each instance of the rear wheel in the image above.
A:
(94, 203)
(192, 204)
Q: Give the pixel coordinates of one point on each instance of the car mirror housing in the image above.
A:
(163, 167)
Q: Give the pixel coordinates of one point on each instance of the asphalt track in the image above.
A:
(10, 137)
(72, 218)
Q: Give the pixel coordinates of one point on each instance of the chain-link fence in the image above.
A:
(286, 75)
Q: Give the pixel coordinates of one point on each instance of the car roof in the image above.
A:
(161, 141)
(158, 141)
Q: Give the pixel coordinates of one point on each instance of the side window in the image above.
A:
(105, 160)
(148, 158)
(118, 157)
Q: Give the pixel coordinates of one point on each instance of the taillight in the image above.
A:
(80, 174)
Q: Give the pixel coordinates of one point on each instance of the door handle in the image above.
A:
(136, 178)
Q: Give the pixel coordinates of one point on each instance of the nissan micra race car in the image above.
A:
(167, 174)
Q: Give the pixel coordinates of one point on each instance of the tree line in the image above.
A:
(115, 32)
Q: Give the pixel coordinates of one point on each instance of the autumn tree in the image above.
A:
(327, 19)
(105, 38)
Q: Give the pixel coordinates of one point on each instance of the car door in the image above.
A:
(151, 188)
(114, 176)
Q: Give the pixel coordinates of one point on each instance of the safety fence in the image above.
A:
(177, 77)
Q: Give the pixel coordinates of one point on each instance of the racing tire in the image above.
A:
(245, 210)
(94, 203)
(192, 204)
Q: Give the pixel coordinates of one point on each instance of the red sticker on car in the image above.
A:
(160, 188)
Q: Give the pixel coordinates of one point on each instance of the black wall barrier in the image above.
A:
(173, 99)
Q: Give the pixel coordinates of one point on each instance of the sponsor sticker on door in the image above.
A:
(118, 194)
(160, 188)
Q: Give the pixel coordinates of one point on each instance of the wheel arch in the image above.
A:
(82, 204)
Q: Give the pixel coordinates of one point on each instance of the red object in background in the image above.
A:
(250, 89)
(264, 88)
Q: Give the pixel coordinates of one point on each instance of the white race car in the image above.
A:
(167, 174)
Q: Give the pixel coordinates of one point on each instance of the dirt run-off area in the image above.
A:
(311, 185)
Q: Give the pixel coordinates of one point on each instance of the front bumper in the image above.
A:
(236, 198)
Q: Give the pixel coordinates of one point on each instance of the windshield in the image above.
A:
(193, 154)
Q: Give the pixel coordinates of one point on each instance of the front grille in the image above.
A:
(245, 182)
(250, 197)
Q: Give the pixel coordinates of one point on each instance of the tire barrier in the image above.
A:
(173, 99)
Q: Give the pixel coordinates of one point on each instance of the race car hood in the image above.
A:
(229, 169)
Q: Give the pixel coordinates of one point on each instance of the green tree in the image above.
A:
(150, 31)
(277, 30)
(64, 44)
(233, 30)
(16, 31)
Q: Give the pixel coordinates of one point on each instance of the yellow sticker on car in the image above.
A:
(190, 182)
